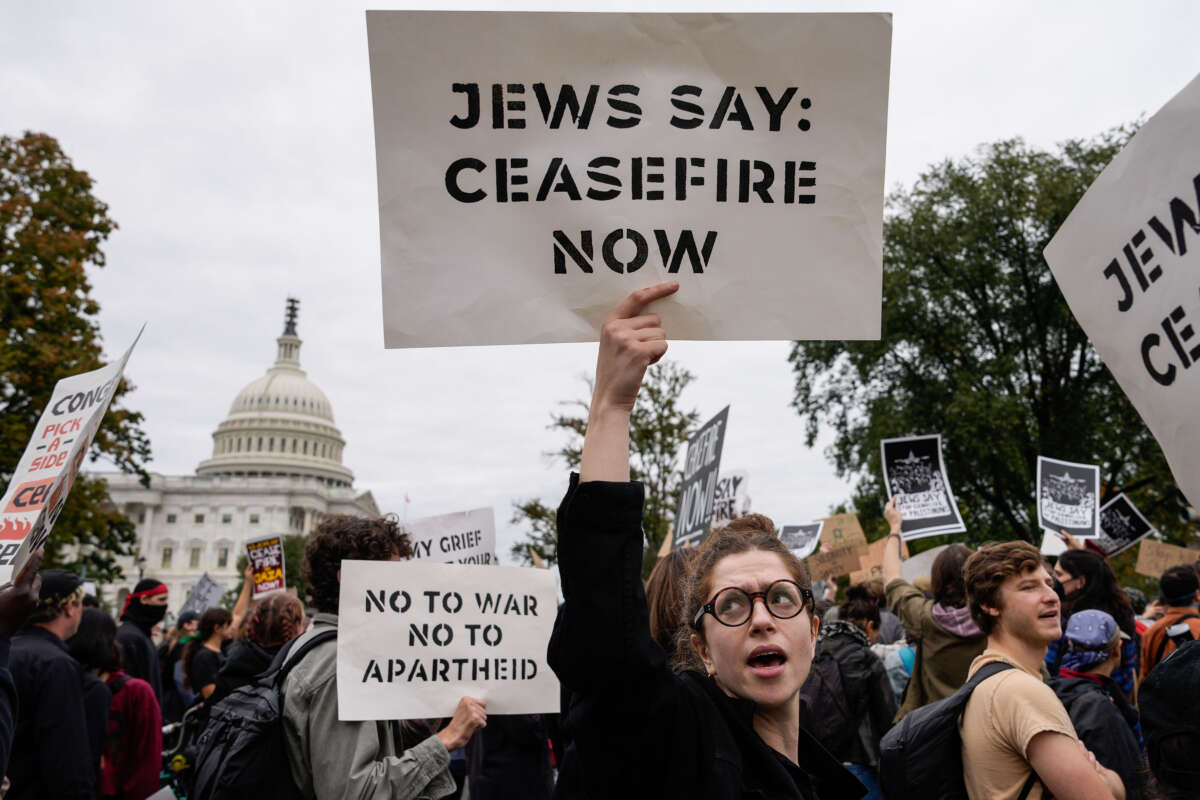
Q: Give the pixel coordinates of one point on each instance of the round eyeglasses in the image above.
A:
(733, 606)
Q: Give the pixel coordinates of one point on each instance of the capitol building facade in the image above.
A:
(276, 469)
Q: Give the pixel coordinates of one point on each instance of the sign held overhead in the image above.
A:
(534, 168)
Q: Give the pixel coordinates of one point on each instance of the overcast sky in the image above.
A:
(233, 143)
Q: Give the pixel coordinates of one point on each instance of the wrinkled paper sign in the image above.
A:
(1128, 262)
(1068, 497)
(915, 474)
(415, 637)
(534, 168)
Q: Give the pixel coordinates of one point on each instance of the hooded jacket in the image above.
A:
(947, 641)
(640, 729)
(243, 663)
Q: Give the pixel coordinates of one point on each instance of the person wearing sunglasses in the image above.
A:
(726, 728)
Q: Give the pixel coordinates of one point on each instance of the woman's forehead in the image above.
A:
(752, 569)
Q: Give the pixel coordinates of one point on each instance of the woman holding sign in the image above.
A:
(730, 730)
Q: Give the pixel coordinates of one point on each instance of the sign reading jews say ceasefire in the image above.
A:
(1128, 262)
(48, 467)
(534, 168)
(415, 637)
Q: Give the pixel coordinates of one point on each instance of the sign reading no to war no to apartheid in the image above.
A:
(51, 461)
(415, 637)
(1128, 262)
(266, 564)
(534, 168)
(464, 537)
(699, 488)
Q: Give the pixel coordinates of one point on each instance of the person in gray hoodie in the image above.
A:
(946, 638)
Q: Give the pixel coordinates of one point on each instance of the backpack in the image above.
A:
(242, 753)
(921, 756)
(834, 722)
(1178, 634)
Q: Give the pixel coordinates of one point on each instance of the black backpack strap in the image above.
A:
(1162, 643)
(1030, 782)
(283, 663)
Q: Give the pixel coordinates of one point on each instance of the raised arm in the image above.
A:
(891, 550)
(243, 601)
(630, 341)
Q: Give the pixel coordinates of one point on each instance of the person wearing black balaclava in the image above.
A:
(145, 607)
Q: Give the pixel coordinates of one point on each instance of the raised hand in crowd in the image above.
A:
(19, 598)
(469, 716)
(630, 341)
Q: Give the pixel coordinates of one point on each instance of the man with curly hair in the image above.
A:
(329, 758)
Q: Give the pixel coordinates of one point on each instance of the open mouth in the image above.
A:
(1052, 614)
(766, 661)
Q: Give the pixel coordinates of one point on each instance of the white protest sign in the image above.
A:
(915, 474)
(534, 168)
(413, 638)
(464, 537)
(730, 499)
(1128, 262)
(802, 539)
(48, 467)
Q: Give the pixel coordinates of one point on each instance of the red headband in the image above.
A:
(160, 589)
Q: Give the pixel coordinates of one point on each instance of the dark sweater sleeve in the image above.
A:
(8, 706)
(601, 637)
(628, 715)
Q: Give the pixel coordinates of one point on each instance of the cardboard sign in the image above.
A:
(915, 474)
(1067, 497)
(1128, 262)
(871, 562)
(203, 596)
(266, 563)
(802, 540)
(730, 499)
(415, 637)
(464, 537)
(1122, 526)
(43, 478)
(534, 168)
(700, 467)
(1155, 558)
(842, 530)
(841, 561)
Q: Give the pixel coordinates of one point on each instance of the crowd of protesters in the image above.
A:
(726, 675)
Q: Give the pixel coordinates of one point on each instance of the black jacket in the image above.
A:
(1104, 720)
(641, 730)
(868, 693)
(8, 705)
(51, 757)
(243, 662)
(140, 656)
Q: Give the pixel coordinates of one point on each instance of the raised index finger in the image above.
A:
(636, 300)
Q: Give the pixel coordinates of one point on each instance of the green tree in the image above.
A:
(979, 345)
(51, 229)
(658, 428)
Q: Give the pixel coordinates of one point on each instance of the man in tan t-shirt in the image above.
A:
(1014, 725)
